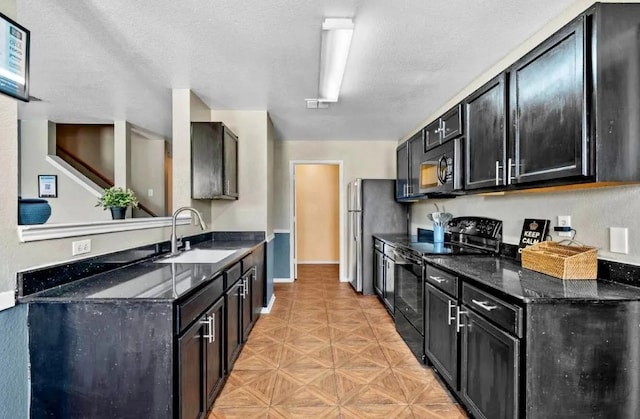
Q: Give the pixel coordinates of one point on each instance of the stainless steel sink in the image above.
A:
(199, 256)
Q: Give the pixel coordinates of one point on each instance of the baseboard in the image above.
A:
(7, 299)
(267, 309)
(319, 262)
(344, 279)
(282, 280)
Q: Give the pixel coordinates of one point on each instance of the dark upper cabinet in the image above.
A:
(416, 153)
(214, 161)
(451, 125)
(408, 159)
(486, 135)
(548, 130)
(432, 135)
(445, 128)
(230, 164)
(402, 171)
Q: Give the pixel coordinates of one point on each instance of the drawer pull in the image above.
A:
(484, 305)
(438, 279)
(450, 318)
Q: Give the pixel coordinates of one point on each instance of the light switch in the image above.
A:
(619, 240)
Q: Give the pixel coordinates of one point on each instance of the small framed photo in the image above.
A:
(47, 186)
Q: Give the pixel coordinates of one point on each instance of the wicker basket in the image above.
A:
(565, 262)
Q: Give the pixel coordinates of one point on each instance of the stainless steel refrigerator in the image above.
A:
(371, 208)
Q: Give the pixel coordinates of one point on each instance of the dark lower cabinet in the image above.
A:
(247, 312)
(233, 319)
(490, 369)
(441, 337)
(214, 349)
(258, 286)
(191, 353)
(201, 366)
(383, 275)
(140, 357)
(378, 273)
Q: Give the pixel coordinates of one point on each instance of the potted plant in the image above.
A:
(117, 200)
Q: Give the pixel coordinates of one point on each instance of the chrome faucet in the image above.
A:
(174, 237)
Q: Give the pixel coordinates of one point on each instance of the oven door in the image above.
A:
(409, 289)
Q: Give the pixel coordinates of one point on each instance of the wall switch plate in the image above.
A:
(149, 192)
(81, 247)
(619, 240)
(564, 221)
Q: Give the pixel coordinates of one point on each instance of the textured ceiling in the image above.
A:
(97, 61)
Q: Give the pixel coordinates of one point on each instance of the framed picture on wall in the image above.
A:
(47, 186)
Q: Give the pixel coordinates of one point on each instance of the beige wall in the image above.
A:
(74, 203)
(361, 159)
(250, 211)
(147, 171)
(93, 144)
(317, 213)
(364, 159)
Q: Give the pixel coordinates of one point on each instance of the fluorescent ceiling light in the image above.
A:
(336, 39)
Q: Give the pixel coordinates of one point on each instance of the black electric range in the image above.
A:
(465, 236)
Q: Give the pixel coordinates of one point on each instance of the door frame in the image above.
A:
(292, 198)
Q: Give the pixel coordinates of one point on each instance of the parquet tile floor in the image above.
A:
(326, 352)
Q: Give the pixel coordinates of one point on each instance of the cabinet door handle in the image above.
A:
(209, 333)
(498, 167)
(509, 164)
(484, 304)
(459, 324)
(450, 318)
(438, 279)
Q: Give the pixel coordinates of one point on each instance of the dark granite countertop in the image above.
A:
(507, 276)
(147, 279)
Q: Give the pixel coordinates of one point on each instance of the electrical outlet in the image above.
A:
(81, 247)
(564, 221)
(149, 192)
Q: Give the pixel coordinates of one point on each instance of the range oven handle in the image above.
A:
(406, 256)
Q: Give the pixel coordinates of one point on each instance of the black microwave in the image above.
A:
(441, 169)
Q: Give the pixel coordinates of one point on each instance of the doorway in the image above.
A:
(316, 209)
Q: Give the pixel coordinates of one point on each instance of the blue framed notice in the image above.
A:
(47, 186)
(14, 59)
